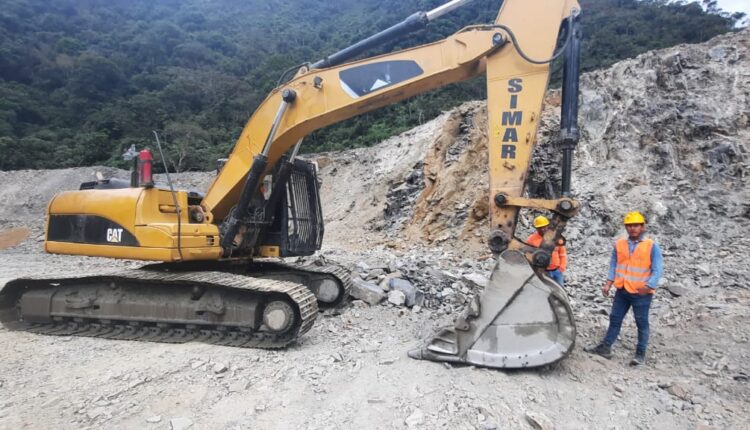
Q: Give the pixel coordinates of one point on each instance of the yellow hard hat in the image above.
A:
(634, 218)
(541, 221)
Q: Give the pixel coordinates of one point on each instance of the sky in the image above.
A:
(735, 6)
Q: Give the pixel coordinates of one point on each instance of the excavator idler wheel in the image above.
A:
(278, 316)
(328, 291)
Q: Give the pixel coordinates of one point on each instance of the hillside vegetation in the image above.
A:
(82, 80)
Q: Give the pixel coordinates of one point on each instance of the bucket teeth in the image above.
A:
(444, 343)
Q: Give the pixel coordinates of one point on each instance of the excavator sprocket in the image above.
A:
(520, 320)
(149, 305)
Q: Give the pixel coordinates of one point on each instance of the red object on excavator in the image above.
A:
(145, 168)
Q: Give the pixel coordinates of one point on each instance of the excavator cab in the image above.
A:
(297, 226)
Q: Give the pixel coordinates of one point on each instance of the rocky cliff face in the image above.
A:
(665, 133)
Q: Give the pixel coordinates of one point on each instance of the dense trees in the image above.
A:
(82, 80)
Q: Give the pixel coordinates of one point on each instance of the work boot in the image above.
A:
(601, 349)
(638, 360)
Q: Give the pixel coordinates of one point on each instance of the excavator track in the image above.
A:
(331, 283)
(211, 307)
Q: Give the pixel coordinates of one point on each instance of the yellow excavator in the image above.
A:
(216, 279)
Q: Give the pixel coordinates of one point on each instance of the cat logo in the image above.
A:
(114, 235)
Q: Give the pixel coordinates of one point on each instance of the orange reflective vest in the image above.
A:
(633, 271)
(559, 258)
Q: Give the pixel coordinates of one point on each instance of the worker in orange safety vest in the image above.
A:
(559, 258)
(636, 265)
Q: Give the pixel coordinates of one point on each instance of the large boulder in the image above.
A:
(366, 291)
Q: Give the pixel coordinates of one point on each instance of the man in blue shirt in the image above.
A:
(635, 268)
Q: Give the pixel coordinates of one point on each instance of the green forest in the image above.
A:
(83, 80)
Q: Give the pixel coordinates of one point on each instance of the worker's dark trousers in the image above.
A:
(623, 302)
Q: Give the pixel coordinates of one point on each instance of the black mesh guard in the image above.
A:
(303, 218)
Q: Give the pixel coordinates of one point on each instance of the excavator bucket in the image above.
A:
(520, 320)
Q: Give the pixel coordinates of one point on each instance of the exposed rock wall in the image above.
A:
(665, 133)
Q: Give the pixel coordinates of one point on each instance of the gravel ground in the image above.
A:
(351, 371)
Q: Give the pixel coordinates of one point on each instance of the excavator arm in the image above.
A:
(522, 318)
